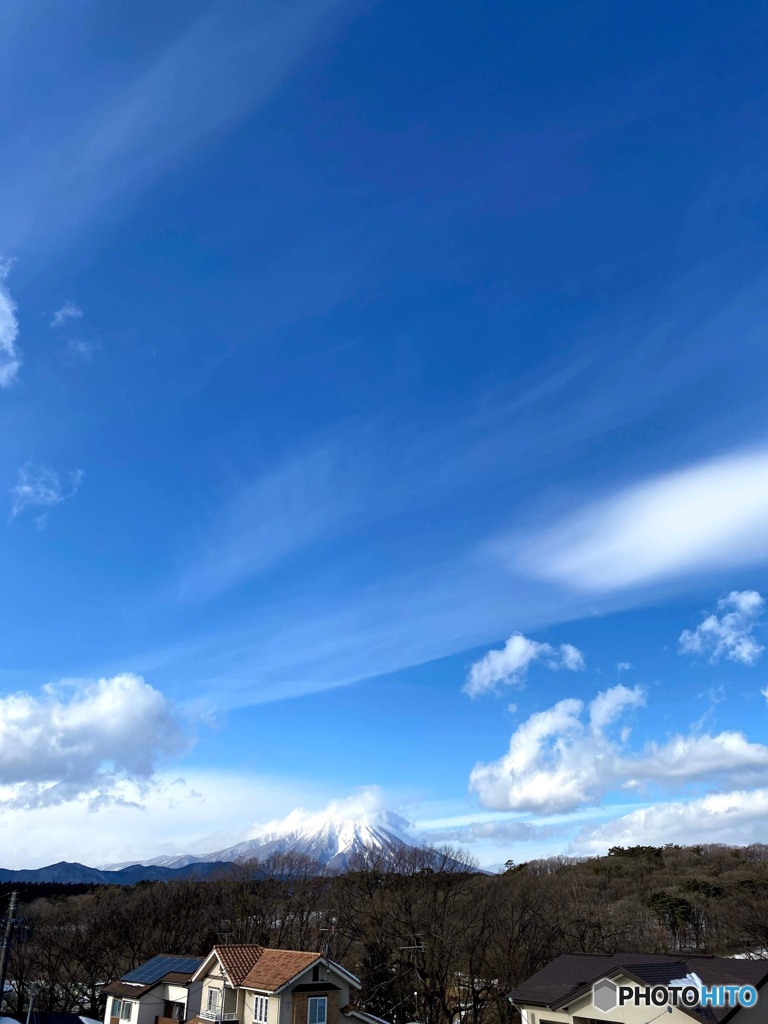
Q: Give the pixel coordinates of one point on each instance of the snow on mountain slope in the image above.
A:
(332, 841)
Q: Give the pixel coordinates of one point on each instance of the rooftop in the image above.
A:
(572, 975)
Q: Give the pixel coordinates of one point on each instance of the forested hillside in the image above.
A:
(426, 943)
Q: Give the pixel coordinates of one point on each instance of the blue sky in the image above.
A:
(342, 341)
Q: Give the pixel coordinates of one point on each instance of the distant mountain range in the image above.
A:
(332, 842)
(79, 874)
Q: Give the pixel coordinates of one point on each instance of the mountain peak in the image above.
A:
(345, 827)
(329, 839)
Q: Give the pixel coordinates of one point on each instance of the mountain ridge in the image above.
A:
(74, 873)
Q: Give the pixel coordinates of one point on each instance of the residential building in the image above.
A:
(253, 985)
(239, 984)
(160, 991)
(562, 992)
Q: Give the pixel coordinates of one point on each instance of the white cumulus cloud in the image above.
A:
(367, 807)
(510, 664)
(10, 359)
(729, 634)
(608, 705)
(568, 757)
(710, 515)
(41, 487)
(76, 738)
(731, 817)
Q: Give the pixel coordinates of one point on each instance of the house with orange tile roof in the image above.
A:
(241, 984)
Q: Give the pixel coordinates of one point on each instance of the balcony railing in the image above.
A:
(216, 1016)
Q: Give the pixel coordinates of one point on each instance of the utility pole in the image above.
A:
(31, 1006)
(7, 937)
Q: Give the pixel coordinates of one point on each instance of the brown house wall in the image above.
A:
(301, 1006)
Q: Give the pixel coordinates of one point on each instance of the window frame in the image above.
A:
(119, 1005)
(260, 1009)
(318, 1000)
(214, 1001)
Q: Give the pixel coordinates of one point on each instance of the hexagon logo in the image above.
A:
(604, 995)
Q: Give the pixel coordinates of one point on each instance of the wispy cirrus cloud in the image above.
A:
(41, 487)
(65, 313)
(286, 509)
(81, 349)
(219, 67)
(482, 831)
(710, 515)
(10, 359)
(64, 321)
(509, 666)
(731, 633)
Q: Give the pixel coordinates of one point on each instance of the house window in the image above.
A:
(318, 1010)
(121, 1008)
(260, 1009)
(213, 1000)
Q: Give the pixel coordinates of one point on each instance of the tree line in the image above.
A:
(432, 939)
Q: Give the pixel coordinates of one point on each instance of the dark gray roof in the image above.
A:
(369, 1018)
(572, 974)
(572, 971)
(124, 991)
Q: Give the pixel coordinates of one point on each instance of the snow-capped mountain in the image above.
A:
(332, 841)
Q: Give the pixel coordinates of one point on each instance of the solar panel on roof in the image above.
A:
(153, 970)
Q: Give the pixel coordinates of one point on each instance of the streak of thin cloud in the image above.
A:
(222, 67)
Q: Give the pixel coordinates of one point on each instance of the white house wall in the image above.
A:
(175, 993)
(273, 1007)
(110, 1011)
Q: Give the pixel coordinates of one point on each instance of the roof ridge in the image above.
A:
(656, 963)
(280, 949)
(237, 945)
